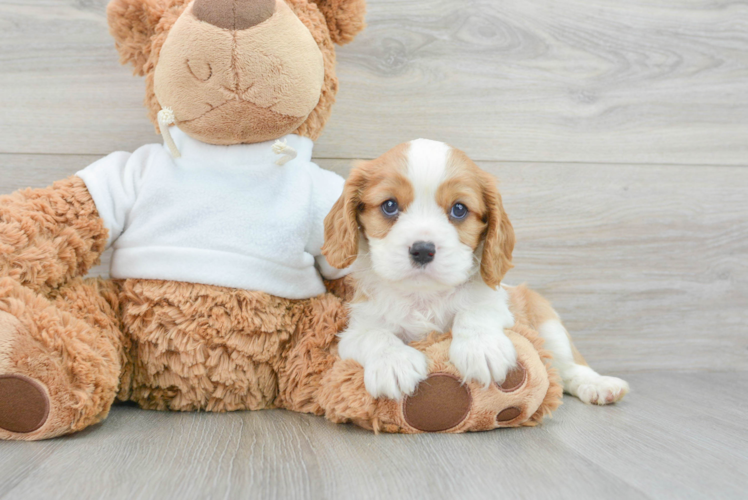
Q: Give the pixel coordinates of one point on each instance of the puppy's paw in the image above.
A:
(483, 357)
(396, 372)
(598, 389)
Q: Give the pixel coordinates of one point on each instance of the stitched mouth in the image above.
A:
(212, 108)
(243, 102)
(238, 121)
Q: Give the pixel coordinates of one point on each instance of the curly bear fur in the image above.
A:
(76, 345)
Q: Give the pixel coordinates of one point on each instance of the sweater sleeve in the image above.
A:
(113, 183)
(326, 188)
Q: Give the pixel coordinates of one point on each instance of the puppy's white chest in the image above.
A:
(424, 316)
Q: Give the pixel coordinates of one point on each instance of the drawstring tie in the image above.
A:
(165, 119)
(282, 148)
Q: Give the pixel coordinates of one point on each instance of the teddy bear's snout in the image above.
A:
(233, 14)
(238, 71)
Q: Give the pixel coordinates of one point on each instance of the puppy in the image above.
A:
(429, 243)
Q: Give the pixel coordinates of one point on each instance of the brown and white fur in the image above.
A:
(402, 295)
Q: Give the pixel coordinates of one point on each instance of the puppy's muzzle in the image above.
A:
(422, 252)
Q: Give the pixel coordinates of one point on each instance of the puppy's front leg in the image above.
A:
(391, 368)
(480, 350)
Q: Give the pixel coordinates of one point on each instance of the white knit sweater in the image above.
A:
(219, 215)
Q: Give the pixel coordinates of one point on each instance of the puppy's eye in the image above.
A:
(459, 211)
(390, 208)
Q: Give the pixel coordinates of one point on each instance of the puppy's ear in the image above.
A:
(345, 18)
(499, 241)
(341, 224)
(133, 23)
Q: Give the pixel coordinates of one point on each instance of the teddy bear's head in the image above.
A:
(237, 71)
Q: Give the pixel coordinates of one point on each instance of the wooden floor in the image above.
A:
(619, 131)
(678, 435)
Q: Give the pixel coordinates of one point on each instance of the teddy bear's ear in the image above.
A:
(345, 18)
(133, 23)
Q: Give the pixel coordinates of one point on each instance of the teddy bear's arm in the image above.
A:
(326, 188)
(50, 235)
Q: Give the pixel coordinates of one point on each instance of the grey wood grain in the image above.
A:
(647, 264)
(677, 435)
(648, 81)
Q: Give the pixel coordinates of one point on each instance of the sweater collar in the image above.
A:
(260, 153)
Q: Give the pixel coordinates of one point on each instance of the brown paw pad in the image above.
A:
(440, 403)
(508, 415)
(24, 406)
(514, 379)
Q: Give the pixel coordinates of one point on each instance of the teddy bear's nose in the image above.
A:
(233, 14)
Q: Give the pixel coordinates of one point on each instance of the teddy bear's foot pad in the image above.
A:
(24, 406)
(440, 403)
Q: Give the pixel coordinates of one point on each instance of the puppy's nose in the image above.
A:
(422, 252)
(233, 14)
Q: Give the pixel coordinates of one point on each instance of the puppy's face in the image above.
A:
(430, 217)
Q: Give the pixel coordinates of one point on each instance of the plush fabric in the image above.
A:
(71, 343)
(217, 330)
(345, 18)
(234, 14)
(48, 236)
(180, 346)
(226, 216)
(140, 35)
(343, 397)
(247, 86)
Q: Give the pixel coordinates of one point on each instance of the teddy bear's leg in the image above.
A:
(442, 402)
(56, 369)
(311, 353)
(202, 347)
(61, 358)
(315, 380)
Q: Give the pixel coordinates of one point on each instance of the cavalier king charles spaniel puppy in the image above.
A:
(426, 233)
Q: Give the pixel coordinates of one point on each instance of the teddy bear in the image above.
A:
(220, 299)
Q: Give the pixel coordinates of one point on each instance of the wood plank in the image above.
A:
(62, 89)
(646, 264)
(665, 423)
(278, 454)
(587, 81)
(648, 81)
(655, 444)
(38, 171)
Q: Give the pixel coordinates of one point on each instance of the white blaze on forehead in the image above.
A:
(423, 220)
(427, 166)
